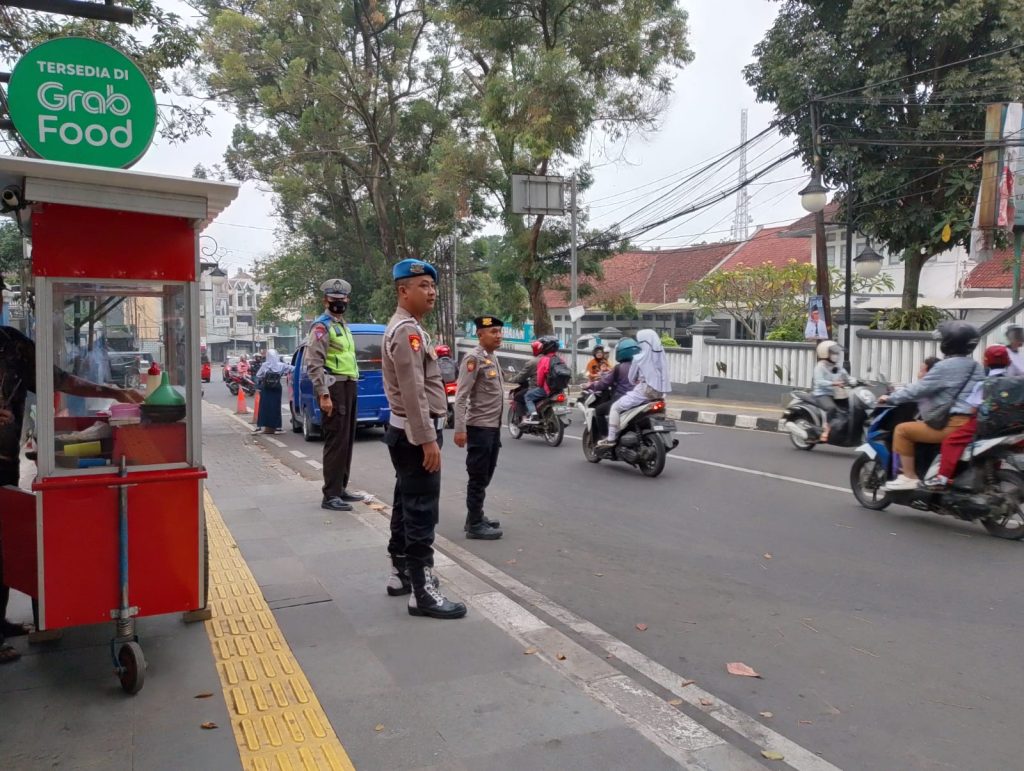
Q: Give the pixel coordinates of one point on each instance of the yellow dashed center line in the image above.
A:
(276, 718)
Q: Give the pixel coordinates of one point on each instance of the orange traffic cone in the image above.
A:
(256, 408)
(240, 407)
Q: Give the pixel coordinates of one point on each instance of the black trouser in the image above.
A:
(8, 476)
(601, 417)
(482, 448)
(416, 506)
(339, 433)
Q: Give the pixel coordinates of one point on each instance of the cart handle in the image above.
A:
(113, 480)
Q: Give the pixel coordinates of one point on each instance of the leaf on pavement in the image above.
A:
(379, 727)
(675, 702)
(685, 683)
(642, 627)
(510, 562)
(773, 755)
(202, 696)
(740, 669)
(767, 714)
(560, 657)
(767, 556)
(208, 726)
(705, 702)
(529, 651)
(599, 575)
(806, 722)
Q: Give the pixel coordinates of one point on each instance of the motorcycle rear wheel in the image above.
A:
(553, 429)
(513, 423)
(656, 465)
(863, 471)
(1011, 527)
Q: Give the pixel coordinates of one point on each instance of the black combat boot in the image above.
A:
(485, 519)
(398, 582)
(427, 600)
(483, 531)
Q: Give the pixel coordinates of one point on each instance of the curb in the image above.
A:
(729, 420)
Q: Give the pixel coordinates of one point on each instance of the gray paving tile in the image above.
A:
(264, 548)
(329, 542)
(317, 625)
(345, 669)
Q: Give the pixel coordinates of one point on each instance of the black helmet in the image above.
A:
(549, 344)
(957, 338)
(598, 348)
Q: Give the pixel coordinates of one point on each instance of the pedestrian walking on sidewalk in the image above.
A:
(419, 409)
(479, 400)
(331, 364)
(270, 381)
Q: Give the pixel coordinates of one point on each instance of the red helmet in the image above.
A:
(536, 346)
(443, 350)
(997, 356)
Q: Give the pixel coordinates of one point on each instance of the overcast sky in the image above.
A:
(702, 121)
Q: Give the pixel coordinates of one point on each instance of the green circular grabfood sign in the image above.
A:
(81, 101)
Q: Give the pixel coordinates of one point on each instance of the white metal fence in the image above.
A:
(783, 364)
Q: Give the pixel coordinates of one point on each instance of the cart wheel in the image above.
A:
(132, 672)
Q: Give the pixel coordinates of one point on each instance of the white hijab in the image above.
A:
(273, 364)
(651, 363)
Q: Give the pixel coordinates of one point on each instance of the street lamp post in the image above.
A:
(867, 264)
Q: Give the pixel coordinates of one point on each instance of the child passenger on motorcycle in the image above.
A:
(648, 372)
(828, 374)
(997, 364)
(617, 379)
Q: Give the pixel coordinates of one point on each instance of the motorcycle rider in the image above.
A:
(1014, 340)
(445, 362)
(648, 372)
(949, 384)
(598, 365)
(828, 375)
(997, 364)
(549, 347)
(528, 376)
(616, 379)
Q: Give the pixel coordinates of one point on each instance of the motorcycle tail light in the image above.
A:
(449, 388)
(560, 397)
(658, 407)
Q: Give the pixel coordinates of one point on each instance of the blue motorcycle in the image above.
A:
(988, 486)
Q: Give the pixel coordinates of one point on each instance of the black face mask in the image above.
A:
(337, 307)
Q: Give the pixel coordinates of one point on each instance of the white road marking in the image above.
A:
(315, 464)
(297, 454)
(750, 471)
(275, 442)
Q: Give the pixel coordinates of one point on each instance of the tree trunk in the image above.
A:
(912, 265)
(541, 319)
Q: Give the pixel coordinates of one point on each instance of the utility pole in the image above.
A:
(821, 279)
(575, 282)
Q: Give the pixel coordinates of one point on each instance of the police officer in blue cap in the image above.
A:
(419, 409)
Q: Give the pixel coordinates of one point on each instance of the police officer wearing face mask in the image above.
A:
(331, 365)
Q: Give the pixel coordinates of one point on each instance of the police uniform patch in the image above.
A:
(492, 373)
(471, 365)
(415, 342)
(417, 268)
(319, 331)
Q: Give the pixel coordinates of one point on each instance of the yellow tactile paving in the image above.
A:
(277, 720)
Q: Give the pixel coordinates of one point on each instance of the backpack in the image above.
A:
(272, 380)
(1002, 407)
(558, 377)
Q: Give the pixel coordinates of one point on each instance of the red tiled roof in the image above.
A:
(996, 273)
(768, 246)
(649, 277)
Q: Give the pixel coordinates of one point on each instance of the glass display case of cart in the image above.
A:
(149, 427)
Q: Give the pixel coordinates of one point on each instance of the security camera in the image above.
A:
(11, 198)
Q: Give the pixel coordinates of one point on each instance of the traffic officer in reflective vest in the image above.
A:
(478, 408)
(419, 409)
(330, 361)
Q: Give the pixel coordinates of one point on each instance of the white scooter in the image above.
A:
(645, 434)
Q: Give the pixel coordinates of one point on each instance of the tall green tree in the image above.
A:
(544, 74)
(892, 97)
(159, 42)
(10, 246)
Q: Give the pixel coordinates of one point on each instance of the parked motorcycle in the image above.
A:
(645, 434)
(449, 392)
(553, 417)
(805, 419)
(988, 486)
(236, 381)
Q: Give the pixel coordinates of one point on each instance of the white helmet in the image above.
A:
(828, 347)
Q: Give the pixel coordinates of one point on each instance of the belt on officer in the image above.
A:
(399, 421)
(339, 378)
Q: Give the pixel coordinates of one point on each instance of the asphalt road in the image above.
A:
(885, 640)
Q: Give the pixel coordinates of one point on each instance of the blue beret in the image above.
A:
(411, 268)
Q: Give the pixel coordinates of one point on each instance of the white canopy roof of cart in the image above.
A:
(100, 188)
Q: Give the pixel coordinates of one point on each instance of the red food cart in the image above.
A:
(113, 528)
